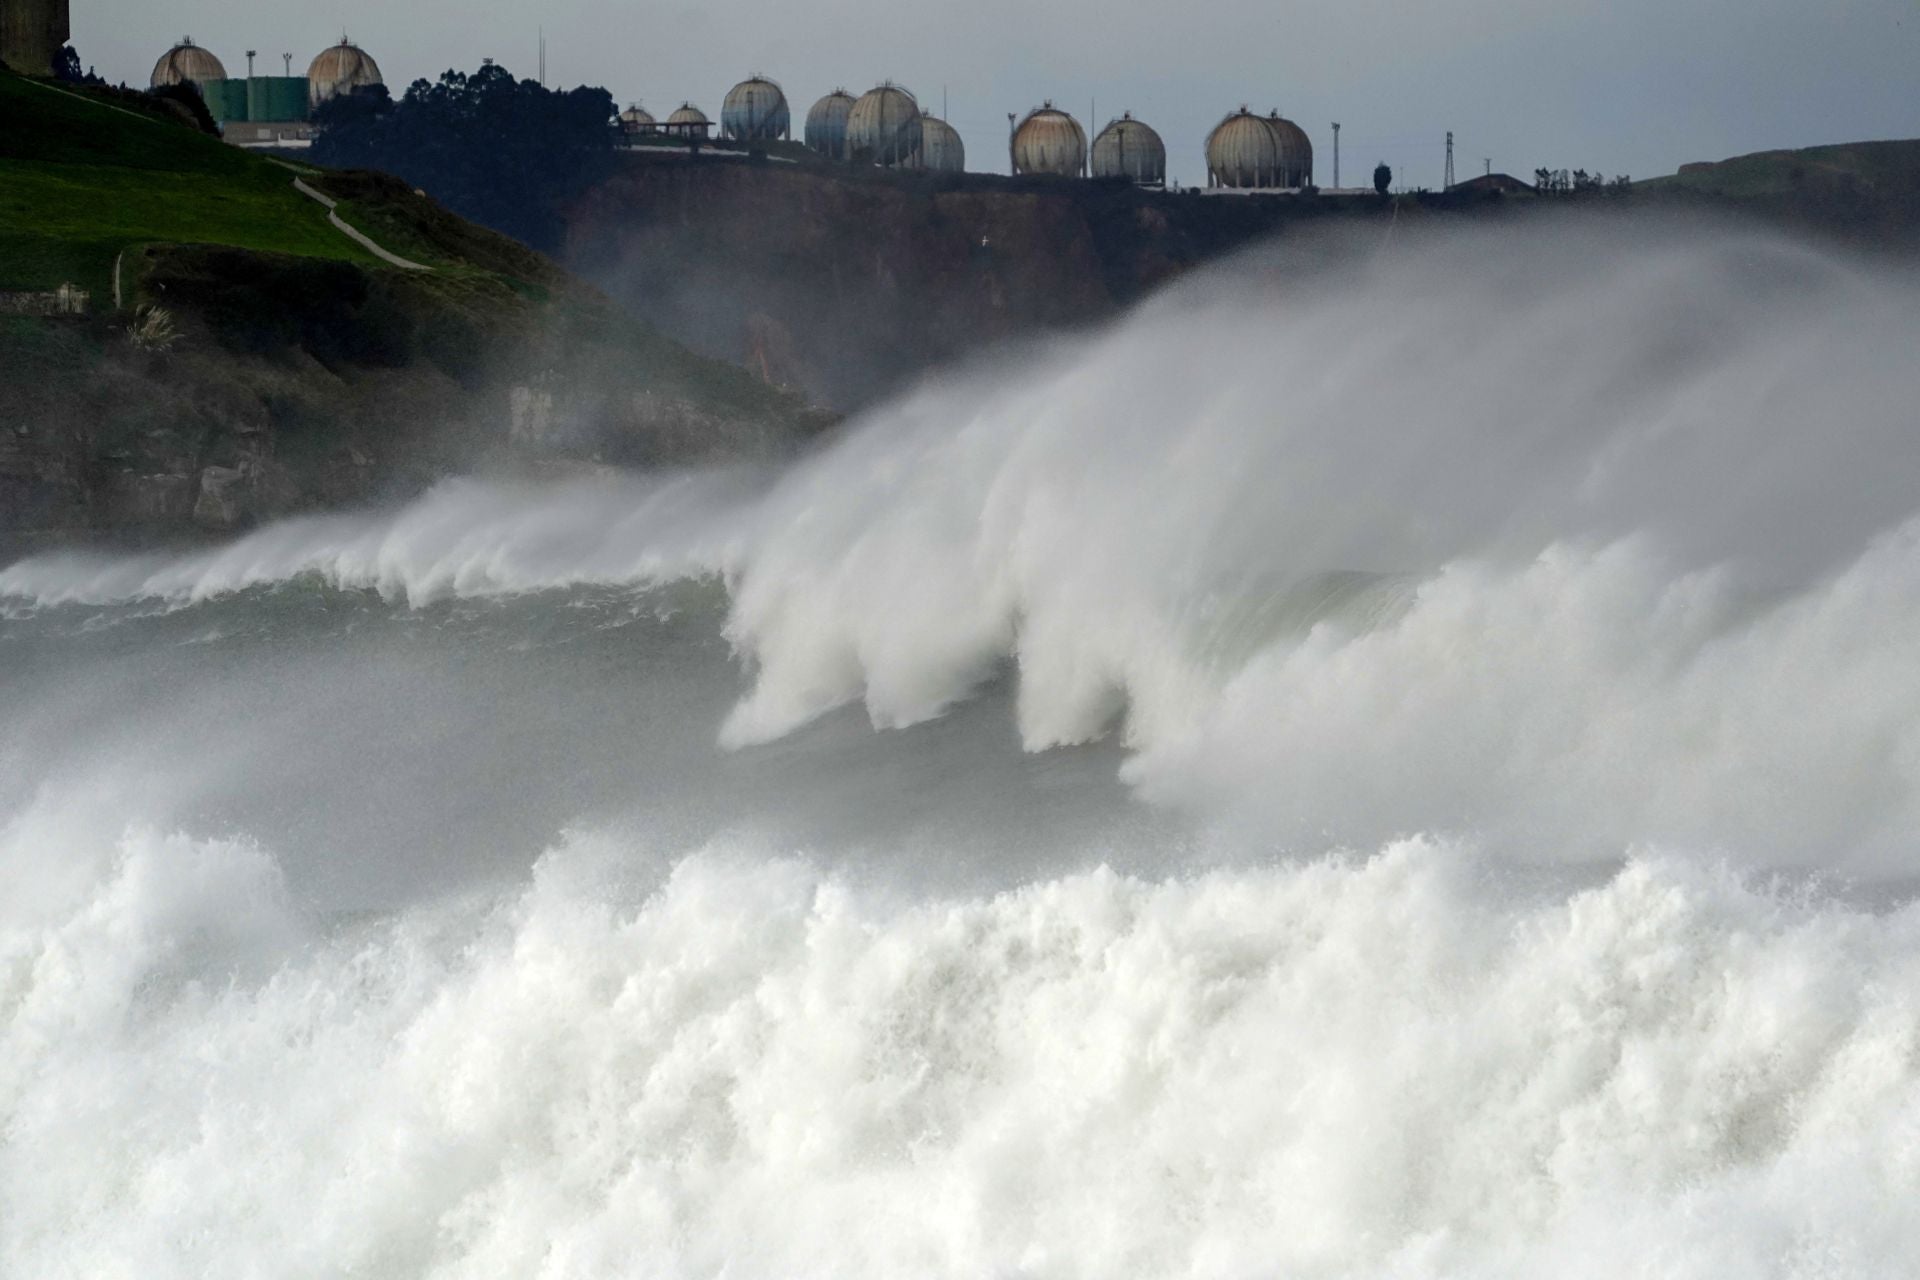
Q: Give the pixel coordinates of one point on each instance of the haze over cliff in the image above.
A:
(844, 282)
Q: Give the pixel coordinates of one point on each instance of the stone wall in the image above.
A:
(32, 33)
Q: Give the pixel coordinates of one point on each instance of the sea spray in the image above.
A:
(1640, 547)
(1399, 765)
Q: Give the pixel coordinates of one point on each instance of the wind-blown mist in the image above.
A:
(1283, 786)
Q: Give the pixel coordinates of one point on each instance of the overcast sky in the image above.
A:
(1623, 86)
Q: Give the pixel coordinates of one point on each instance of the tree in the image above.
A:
(67, 68)
(184, 97)
(506, 153)
(1382, 178)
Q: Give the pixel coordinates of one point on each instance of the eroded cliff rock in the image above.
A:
(290, 385)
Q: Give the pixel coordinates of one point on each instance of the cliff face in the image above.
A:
(275, 385)
(843, 282)
(241, 350)
(838, 288)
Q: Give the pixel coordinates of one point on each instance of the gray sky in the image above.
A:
(1624, 86)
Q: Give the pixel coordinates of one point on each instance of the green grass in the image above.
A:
(69, 221)
(80, 181)
(74, 127)
(414, 227)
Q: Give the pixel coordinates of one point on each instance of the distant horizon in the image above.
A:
(1635, 89)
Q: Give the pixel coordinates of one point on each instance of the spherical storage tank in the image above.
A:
(687, 118)
(941, 150)
(1296, 151)
(884, 127)
(827, 124)
(341, 69)
(1244, 152)
(755, 110)
(187, 61)
(1129, 149)
(1050, 141)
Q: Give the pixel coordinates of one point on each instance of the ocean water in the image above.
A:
(1392, 760)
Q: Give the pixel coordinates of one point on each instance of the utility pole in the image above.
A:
(1448, 184)
(1336, 155)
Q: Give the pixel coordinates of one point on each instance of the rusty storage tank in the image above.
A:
(755, 110)
(884, 127)
(1130, 149)
(1050, 141)
(827, 124)
(187, 61)
(1296, 151)
(341, 69)
(941, 150)
(636, 120)
(1243, 152)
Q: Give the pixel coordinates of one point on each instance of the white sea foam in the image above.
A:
(1381, 1066)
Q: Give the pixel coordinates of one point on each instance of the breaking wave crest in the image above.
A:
(1427, 547)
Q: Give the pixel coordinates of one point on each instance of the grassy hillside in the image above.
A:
(1873, 165)
(1862, 194)
(81, 181)
(301, 370)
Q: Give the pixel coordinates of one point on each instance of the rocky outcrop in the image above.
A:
(291, 385)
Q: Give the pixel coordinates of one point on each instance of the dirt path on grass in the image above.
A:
(357, 237)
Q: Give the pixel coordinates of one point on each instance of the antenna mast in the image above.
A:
(1336, 155)
(1449, 182)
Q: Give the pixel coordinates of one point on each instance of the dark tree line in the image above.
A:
(67, 69)
(505, 153)
(1559, 182)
